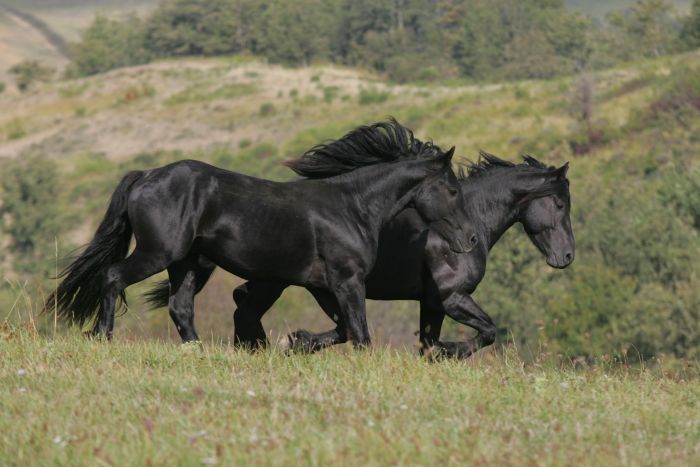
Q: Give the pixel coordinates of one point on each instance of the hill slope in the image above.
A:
(21, 40)
(248, 116)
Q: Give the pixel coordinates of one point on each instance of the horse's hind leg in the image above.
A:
(431, 318)
(138, 266)
(187, 277)
(253, 299)
(308, 342)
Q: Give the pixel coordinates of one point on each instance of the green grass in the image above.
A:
(197, 93)
(71, 401)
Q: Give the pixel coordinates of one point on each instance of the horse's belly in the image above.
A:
(261, 259)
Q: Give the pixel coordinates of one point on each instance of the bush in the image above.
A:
(15, 129)
(28, 72)
(372, 96)
(29, 201)
(267, 109)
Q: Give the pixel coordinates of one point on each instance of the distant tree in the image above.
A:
(107, 44)
(690, 33)
(646, 29)
(568, 33)
(28, 72)
(284, 31)
(531, 56)
(194, 27)
(29, 212)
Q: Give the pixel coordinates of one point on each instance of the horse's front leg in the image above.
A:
(462, 308)
(350, 293)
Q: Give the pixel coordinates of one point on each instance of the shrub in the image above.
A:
(134, 93)
(28, 72)
(372, 96)
(15, 129)
(73, 90)
(330, 93)
(29, 200)
(267, 109)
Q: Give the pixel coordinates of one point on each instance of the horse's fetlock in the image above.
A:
(488, 335)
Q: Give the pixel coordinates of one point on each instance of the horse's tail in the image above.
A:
(159, 295)
(77, 298)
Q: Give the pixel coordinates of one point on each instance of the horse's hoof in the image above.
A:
(433, 353)
(284, 343)
(191, 347)
(97, 336)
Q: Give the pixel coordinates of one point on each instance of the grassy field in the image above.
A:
(70, 401)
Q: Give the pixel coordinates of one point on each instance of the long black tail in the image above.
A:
(159, 295)
(78, 296)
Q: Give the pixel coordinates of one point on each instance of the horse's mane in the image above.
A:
(366, 145)
(485, 163)
(489, 164)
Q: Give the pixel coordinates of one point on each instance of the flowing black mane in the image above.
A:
(366, 145)
(485, 163)
(489, 164)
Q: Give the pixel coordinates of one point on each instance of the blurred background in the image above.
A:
(90, 89)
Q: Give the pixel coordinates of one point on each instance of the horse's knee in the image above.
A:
(239, 294)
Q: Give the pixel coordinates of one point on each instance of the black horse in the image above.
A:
(322, 234)
(414, 263)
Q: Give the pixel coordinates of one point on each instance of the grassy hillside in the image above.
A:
(74, 402)
(248, 116)
(19, 41)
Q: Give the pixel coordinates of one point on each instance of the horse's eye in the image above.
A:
(473, 240)
(559, 205)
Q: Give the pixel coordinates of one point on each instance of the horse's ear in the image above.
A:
(448, 155)
(561, 171)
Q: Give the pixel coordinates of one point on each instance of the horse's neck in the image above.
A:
(384, 194)
(494, 207)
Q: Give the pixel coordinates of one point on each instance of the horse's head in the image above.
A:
(439, 201)
(545, 217)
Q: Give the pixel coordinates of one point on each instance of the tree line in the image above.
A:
(404, 39)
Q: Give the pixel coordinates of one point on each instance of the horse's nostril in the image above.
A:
(473, 240)
(569, 257)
